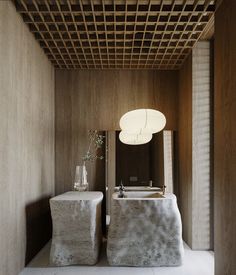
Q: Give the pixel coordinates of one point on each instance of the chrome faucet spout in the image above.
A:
(163, 189)
(121, 191)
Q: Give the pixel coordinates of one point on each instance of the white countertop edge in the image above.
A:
(79, 196)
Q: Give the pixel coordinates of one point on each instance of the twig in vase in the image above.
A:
(96, 142)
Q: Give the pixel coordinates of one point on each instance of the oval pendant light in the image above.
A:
(134, 138)
(143, 121)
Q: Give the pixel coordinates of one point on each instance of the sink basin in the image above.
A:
(141, 195)
(138, 188)
(145, 230)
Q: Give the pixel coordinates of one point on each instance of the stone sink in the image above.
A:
(142, 195)
(145, 230)
(139, 188)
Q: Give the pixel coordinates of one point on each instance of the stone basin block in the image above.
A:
(145, 230)
(77, 235)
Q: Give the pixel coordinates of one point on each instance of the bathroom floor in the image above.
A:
(195, 263)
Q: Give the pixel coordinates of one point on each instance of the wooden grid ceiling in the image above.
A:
(106, 34)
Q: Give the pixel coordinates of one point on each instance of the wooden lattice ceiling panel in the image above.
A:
(105, 34)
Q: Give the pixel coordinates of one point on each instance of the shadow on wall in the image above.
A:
(38, 227)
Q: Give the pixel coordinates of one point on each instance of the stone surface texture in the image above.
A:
(145, 230)
(77, 234)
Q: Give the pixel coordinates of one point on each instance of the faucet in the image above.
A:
(163, 189)
(121, 191)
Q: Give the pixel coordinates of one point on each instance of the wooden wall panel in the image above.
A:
(110, 168)
(184, 137)
(26, 142)
(157, 159)
(96, 100)
(225, 139)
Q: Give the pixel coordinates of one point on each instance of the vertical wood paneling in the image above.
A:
(225, 139)
(110, 167)
(185, 148)
(96, 100)
(157, 159)
(26, 142)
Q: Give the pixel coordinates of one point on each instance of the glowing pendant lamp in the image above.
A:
(134, 138)
(143, 121)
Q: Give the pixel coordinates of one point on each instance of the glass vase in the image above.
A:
(80, 183)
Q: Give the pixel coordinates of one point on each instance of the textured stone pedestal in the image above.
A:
(77, 235)
(145, 230)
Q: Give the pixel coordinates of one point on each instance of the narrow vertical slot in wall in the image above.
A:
(201, 198)
(168, 160)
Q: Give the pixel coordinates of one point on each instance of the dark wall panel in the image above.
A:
(225, 139)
